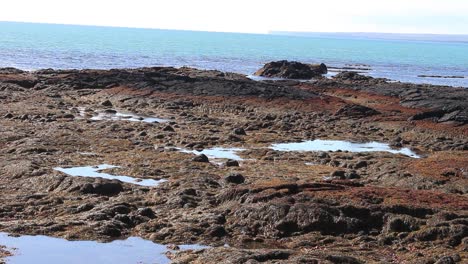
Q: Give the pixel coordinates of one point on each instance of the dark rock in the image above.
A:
(401, 223)
(435, 115)
(189, 191)
(102, 188)
(118, 209)
(168, 129)
(456, 117)
(273, 255)
(98, 216)
(10, 70)
(109, 230)
(23, 82)
(308, 260)
(216, 231)
(352, 175)
(84, 207)
(445, 260)
(291, 70)
(110, 111)
(68, 116)
(284, 220)
(456, 257)
(232, 163)
(455, 114)
(451, 116)
(198, 146)
(234, 138)
(146, 212)
(201, 158)
(339, 259)
(107, 103)
(338, 174)
(355, 110)
(323, 155)
(239, 131)
(360, 164)
(442, 76)
(430, 234)
(124, 219)
(351, 76)
(269, 117)
(235, 178)
(386, 240)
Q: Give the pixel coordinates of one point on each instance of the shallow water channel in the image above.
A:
(95, 172)
(336, 145)
(127, 116)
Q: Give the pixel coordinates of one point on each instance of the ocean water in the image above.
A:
(33, 46)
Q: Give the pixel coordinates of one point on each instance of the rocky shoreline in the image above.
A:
(271, 206)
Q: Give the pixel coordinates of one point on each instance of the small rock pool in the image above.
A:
(128, 117)
(95, 172)
(44, 249)
(115, 115)
(335, 145)
(217, 153)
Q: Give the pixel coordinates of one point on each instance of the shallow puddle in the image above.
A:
(128, 117)
(43, 249)
(95, 172)
(335, 145)
(217, 153)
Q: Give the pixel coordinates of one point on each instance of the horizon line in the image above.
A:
(368, 32)
(268, 32)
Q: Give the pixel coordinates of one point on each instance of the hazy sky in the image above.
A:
(257, 16)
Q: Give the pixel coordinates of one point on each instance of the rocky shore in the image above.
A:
(268, 206)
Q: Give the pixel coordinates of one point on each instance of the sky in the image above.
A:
(251, 16)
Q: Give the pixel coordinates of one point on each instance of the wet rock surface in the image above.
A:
(434, 102)
(270, 206)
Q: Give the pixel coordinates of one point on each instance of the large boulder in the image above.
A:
(291, 70)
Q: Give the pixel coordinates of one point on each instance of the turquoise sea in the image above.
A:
(34, 46)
